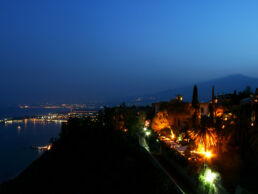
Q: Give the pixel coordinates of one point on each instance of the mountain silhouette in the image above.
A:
(222, 85)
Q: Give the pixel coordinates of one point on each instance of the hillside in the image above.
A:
(90, 159)
(222, 86)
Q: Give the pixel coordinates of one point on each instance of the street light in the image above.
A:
(147, 133)
(208, 178)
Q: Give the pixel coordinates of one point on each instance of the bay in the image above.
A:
(16, 140)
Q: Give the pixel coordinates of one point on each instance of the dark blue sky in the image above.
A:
(75, 51)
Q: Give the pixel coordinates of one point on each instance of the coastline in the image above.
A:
(17, 140)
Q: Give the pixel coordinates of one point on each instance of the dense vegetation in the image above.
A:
(91, 157)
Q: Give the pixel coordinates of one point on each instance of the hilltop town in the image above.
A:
(196, 147)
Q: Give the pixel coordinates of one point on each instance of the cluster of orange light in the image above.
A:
(201, 151)
(204, 142)
(219, 112)
(172, 135)
(147, 123)
(209, 139)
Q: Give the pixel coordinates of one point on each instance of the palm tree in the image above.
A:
(204, 136)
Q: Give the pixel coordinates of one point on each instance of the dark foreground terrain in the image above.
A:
(91, 158)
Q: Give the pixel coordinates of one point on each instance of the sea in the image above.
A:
(17, 139)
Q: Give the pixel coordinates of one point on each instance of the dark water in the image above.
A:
(15, 144)
(7, 112)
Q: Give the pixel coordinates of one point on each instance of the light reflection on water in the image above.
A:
(16, 140)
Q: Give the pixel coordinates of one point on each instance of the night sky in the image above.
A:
(76, 51)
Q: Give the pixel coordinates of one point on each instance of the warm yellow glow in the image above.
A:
(201, 151)
(25, 123)
(207, 138)
(172, 135)
(49, 147)
(147, 123)
(219, 112)
(207, 154)
(160, 121)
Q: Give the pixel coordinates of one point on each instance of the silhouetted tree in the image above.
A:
(248, 90)
(195, 105)
(195, 101)
(211, 111)
(213, 95)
